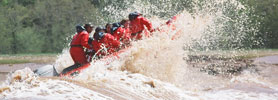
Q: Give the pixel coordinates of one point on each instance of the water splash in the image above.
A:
(25, 85)
(63, 60)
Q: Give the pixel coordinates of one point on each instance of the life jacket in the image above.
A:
(80, 40)
(121, 34)
(105, 43)
(138, 25)
(110, 43)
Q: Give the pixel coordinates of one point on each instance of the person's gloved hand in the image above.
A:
(90, 50)
(152, 30)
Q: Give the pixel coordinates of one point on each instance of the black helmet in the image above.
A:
(88, 25)
(99, 35)
(133, 15)
(79, 28)
(108, 25)
(116, 25)
(98, 29)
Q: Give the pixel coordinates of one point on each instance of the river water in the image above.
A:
(155, 68)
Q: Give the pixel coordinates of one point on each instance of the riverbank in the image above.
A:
(27, 58)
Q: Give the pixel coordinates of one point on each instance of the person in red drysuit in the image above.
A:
(138, 24)
(121, 32)
(173, 19)
(89, 27)
(104, 43)
(89, 52)
(79, 41)
(108, 28)
(171, 24)
(125, 24)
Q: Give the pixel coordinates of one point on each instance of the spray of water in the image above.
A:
(209, 25)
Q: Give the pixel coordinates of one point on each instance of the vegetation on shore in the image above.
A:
(27, 58)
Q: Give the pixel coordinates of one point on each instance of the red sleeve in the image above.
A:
(116, 44)
(126, 34)
(121, 32)
(147, 23)
(84, 40)
(116, 34)
(112, 41)
(96, 45)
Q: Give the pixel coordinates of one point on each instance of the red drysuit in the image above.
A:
(138, 25)
(79, 41)
(106, 45)
(122, 34)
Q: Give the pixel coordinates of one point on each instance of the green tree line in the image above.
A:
(266, 13)
(41, 26)
(45, 26)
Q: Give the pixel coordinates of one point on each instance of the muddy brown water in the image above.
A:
(267, 71)
(5, 69)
